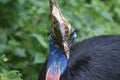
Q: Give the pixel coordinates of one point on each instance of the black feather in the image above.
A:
(96, 58)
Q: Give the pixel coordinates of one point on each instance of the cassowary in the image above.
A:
(97, 58)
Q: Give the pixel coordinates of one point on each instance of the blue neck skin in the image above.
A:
(56, 59)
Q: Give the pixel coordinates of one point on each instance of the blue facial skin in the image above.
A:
(56, 58)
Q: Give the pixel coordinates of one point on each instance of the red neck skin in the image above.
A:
(49, 76)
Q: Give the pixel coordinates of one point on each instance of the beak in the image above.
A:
(61, 29)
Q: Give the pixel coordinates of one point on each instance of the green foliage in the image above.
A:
(24, 25)
(5, 73)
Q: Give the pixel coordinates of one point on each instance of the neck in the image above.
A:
(56, 61)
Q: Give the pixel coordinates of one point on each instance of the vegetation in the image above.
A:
(24, 25)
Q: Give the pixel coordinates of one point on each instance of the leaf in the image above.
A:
(10, 75)
(3, 77)
(39, 58)
(4, 1)
(20, 52)
(40, 40)
(107, 16)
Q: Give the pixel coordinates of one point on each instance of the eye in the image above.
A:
(73, 36)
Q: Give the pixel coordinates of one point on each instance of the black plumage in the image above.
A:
(96, 58)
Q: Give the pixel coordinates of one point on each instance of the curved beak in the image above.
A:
(61, 29)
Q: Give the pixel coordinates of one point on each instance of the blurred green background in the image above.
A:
(24, 25)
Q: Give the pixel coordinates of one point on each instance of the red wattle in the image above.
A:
(49, 76)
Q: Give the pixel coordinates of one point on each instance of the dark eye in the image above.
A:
(73, 36)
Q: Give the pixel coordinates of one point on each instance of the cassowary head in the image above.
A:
(61, 35)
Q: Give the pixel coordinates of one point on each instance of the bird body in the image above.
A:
(97, 58)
